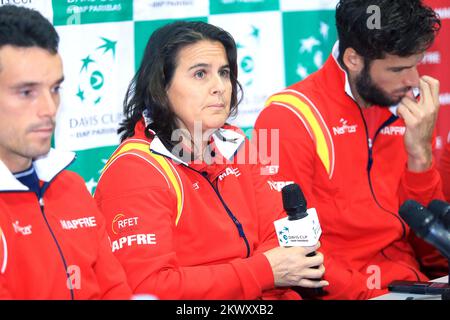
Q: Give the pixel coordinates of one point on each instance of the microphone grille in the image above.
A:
(293, 197)
(441, 210)
(439, 207)
(416, 216)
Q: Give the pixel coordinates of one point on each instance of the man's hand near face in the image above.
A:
(420, 119)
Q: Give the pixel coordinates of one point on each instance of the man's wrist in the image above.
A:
(419, 158)
(419, 163)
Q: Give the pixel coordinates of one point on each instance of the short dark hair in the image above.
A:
(407, 27)
(147, 90)
(23, 27)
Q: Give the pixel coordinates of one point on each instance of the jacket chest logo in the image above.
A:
(85, 222)
(278, 185)
(229, 171)
(122, 223)
(393, 131)
(344, 128)
(196, 185)
(25, 230)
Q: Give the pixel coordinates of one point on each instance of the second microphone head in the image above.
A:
(416, 216)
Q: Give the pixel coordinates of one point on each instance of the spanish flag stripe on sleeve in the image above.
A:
(163, 164)
(124, 148)
(313, 122)
(173, 179)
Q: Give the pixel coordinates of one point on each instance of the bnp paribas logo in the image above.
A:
(311, 55)
(247, 48)
(94, 70)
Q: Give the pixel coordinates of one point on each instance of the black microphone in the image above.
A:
(295, 205)
(303, 227)
(426, 225)
(441, 210)
(294, 202)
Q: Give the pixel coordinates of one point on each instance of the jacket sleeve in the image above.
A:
(424, 187)
(444, 168)
(296, 163)
(109, 273)
(5, 294)
(152, 265)
(421, 186)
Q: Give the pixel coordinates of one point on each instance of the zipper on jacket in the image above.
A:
(236, 222)
(370, 144)
(370, 158)
(41, 204)
(406, 266)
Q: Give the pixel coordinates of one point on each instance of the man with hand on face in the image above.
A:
(53, 243)
(359, 143)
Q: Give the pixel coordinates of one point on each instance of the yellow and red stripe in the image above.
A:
(160, 163)
(313, 122)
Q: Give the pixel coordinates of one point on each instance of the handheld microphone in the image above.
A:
(426, 225)
(441, 209)
(300, 228)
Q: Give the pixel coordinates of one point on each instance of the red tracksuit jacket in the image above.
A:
(56, 248)
(355, 182)
(445, 170)
(190, 231)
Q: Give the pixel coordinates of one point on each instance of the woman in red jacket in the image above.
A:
(188, 219)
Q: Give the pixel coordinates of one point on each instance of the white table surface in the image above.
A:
(409, 296)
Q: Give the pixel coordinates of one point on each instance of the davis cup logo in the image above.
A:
(94, 69)
(283, 236)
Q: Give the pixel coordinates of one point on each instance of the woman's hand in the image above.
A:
(292, 267)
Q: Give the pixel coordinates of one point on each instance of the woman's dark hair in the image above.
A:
(23, 27)
(147, 90)
(406, 27)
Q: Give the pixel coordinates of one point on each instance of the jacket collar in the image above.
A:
(335, 55)
(47, 167)
(227, 142)
(344, 76)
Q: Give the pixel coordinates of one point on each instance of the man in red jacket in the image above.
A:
(359, 144)
(53, 243)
